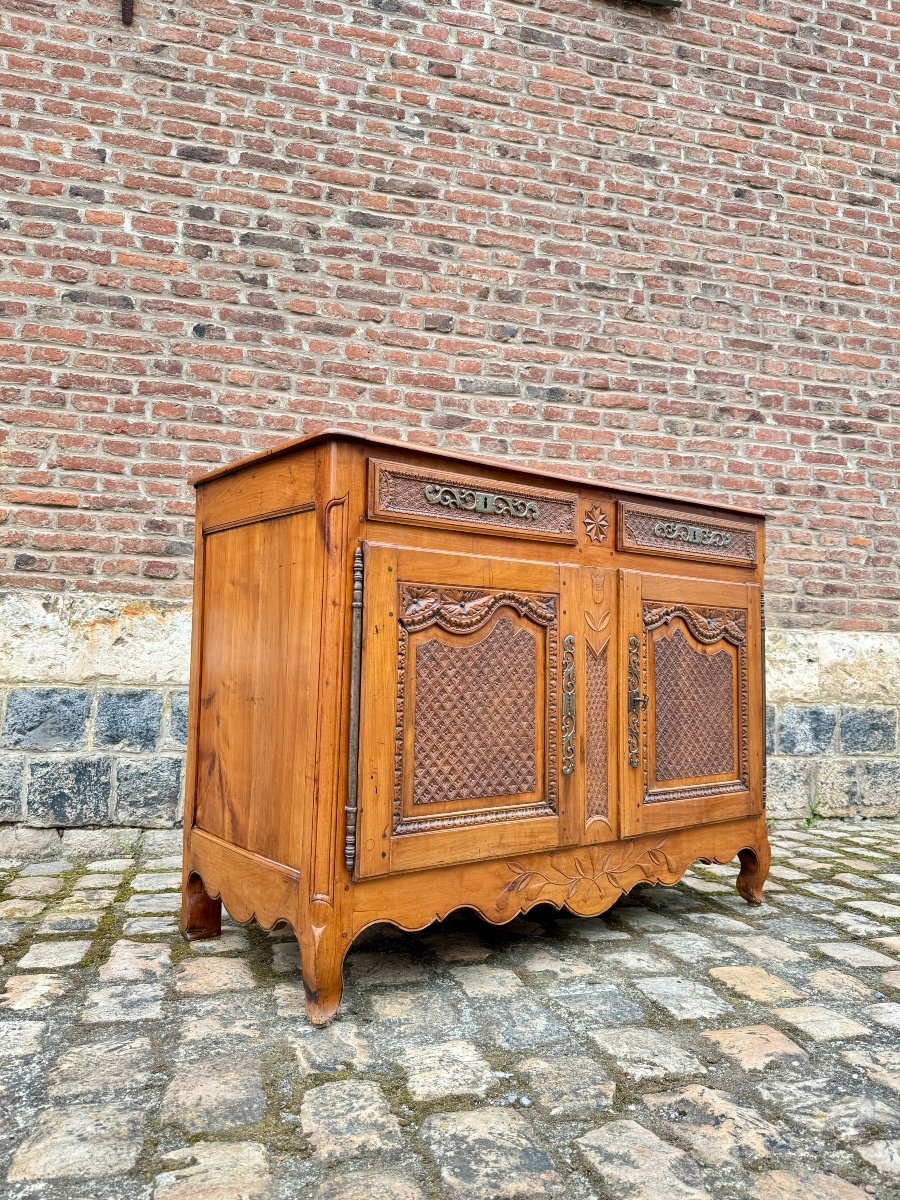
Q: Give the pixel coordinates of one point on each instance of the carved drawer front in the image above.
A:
(664, 531)
(460, 713)
(694, 705)
(451, 500)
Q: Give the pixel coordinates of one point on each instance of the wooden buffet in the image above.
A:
(421, 682)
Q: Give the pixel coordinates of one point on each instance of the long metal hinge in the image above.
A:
(637, 703)
(568, 705)
(351, 806)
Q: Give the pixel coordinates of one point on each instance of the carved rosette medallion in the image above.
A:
(596, 524)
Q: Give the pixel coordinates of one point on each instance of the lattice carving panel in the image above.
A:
(596, 682)
(474, 721)
(694, 710)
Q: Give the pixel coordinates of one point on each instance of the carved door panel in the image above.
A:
(692, 690)
(464, 747)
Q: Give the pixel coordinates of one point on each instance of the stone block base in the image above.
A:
(93, 716)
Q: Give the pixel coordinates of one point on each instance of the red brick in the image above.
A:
(497, 231)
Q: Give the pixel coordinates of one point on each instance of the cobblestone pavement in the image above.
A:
(683, 1046)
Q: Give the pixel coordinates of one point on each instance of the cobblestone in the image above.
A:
(756, 983)
(821, 1024)
(100, 1067)
(214, 1170)
(446, 1069)
(755, 1046)
(136, 962)
(32, 991)
(490, 1154)
(635, 1164)
(681, 1047)
(783, 1185)
(567, 1086)
(211, 1095)
(683, 998)
(34, 888)
(715, 1128)
(883, 1155)
(85, 1140)
(642, 1053)
(347, 1119)
(370, 1185)
(212, 976)
(50, 955)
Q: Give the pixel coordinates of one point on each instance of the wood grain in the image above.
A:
(257, 707)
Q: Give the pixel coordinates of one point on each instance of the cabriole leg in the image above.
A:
(201, 916)
(754, 869)
(322, 964)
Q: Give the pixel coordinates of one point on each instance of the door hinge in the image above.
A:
(637, 703)
(351, 806)
(567, 724)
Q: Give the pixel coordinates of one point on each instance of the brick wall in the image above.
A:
(659, 248)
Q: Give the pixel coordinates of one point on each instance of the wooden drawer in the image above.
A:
(674, 533)
(422, 496)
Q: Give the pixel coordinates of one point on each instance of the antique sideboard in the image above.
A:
(421, 682)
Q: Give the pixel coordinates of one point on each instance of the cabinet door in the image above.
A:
(692, 688)
(461, 754)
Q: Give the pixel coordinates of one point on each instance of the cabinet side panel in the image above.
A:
(257, 687)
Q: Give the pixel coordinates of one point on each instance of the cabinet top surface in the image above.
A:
(541, 477)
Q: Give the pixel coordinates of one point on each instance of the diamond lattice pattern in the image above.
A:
(596, 681)
(694, 710)
(475, 717)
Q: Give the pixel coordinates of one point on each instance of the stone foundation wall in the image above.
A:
(93, 716)
(831, 733)
(92, 756)
(93, 710)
